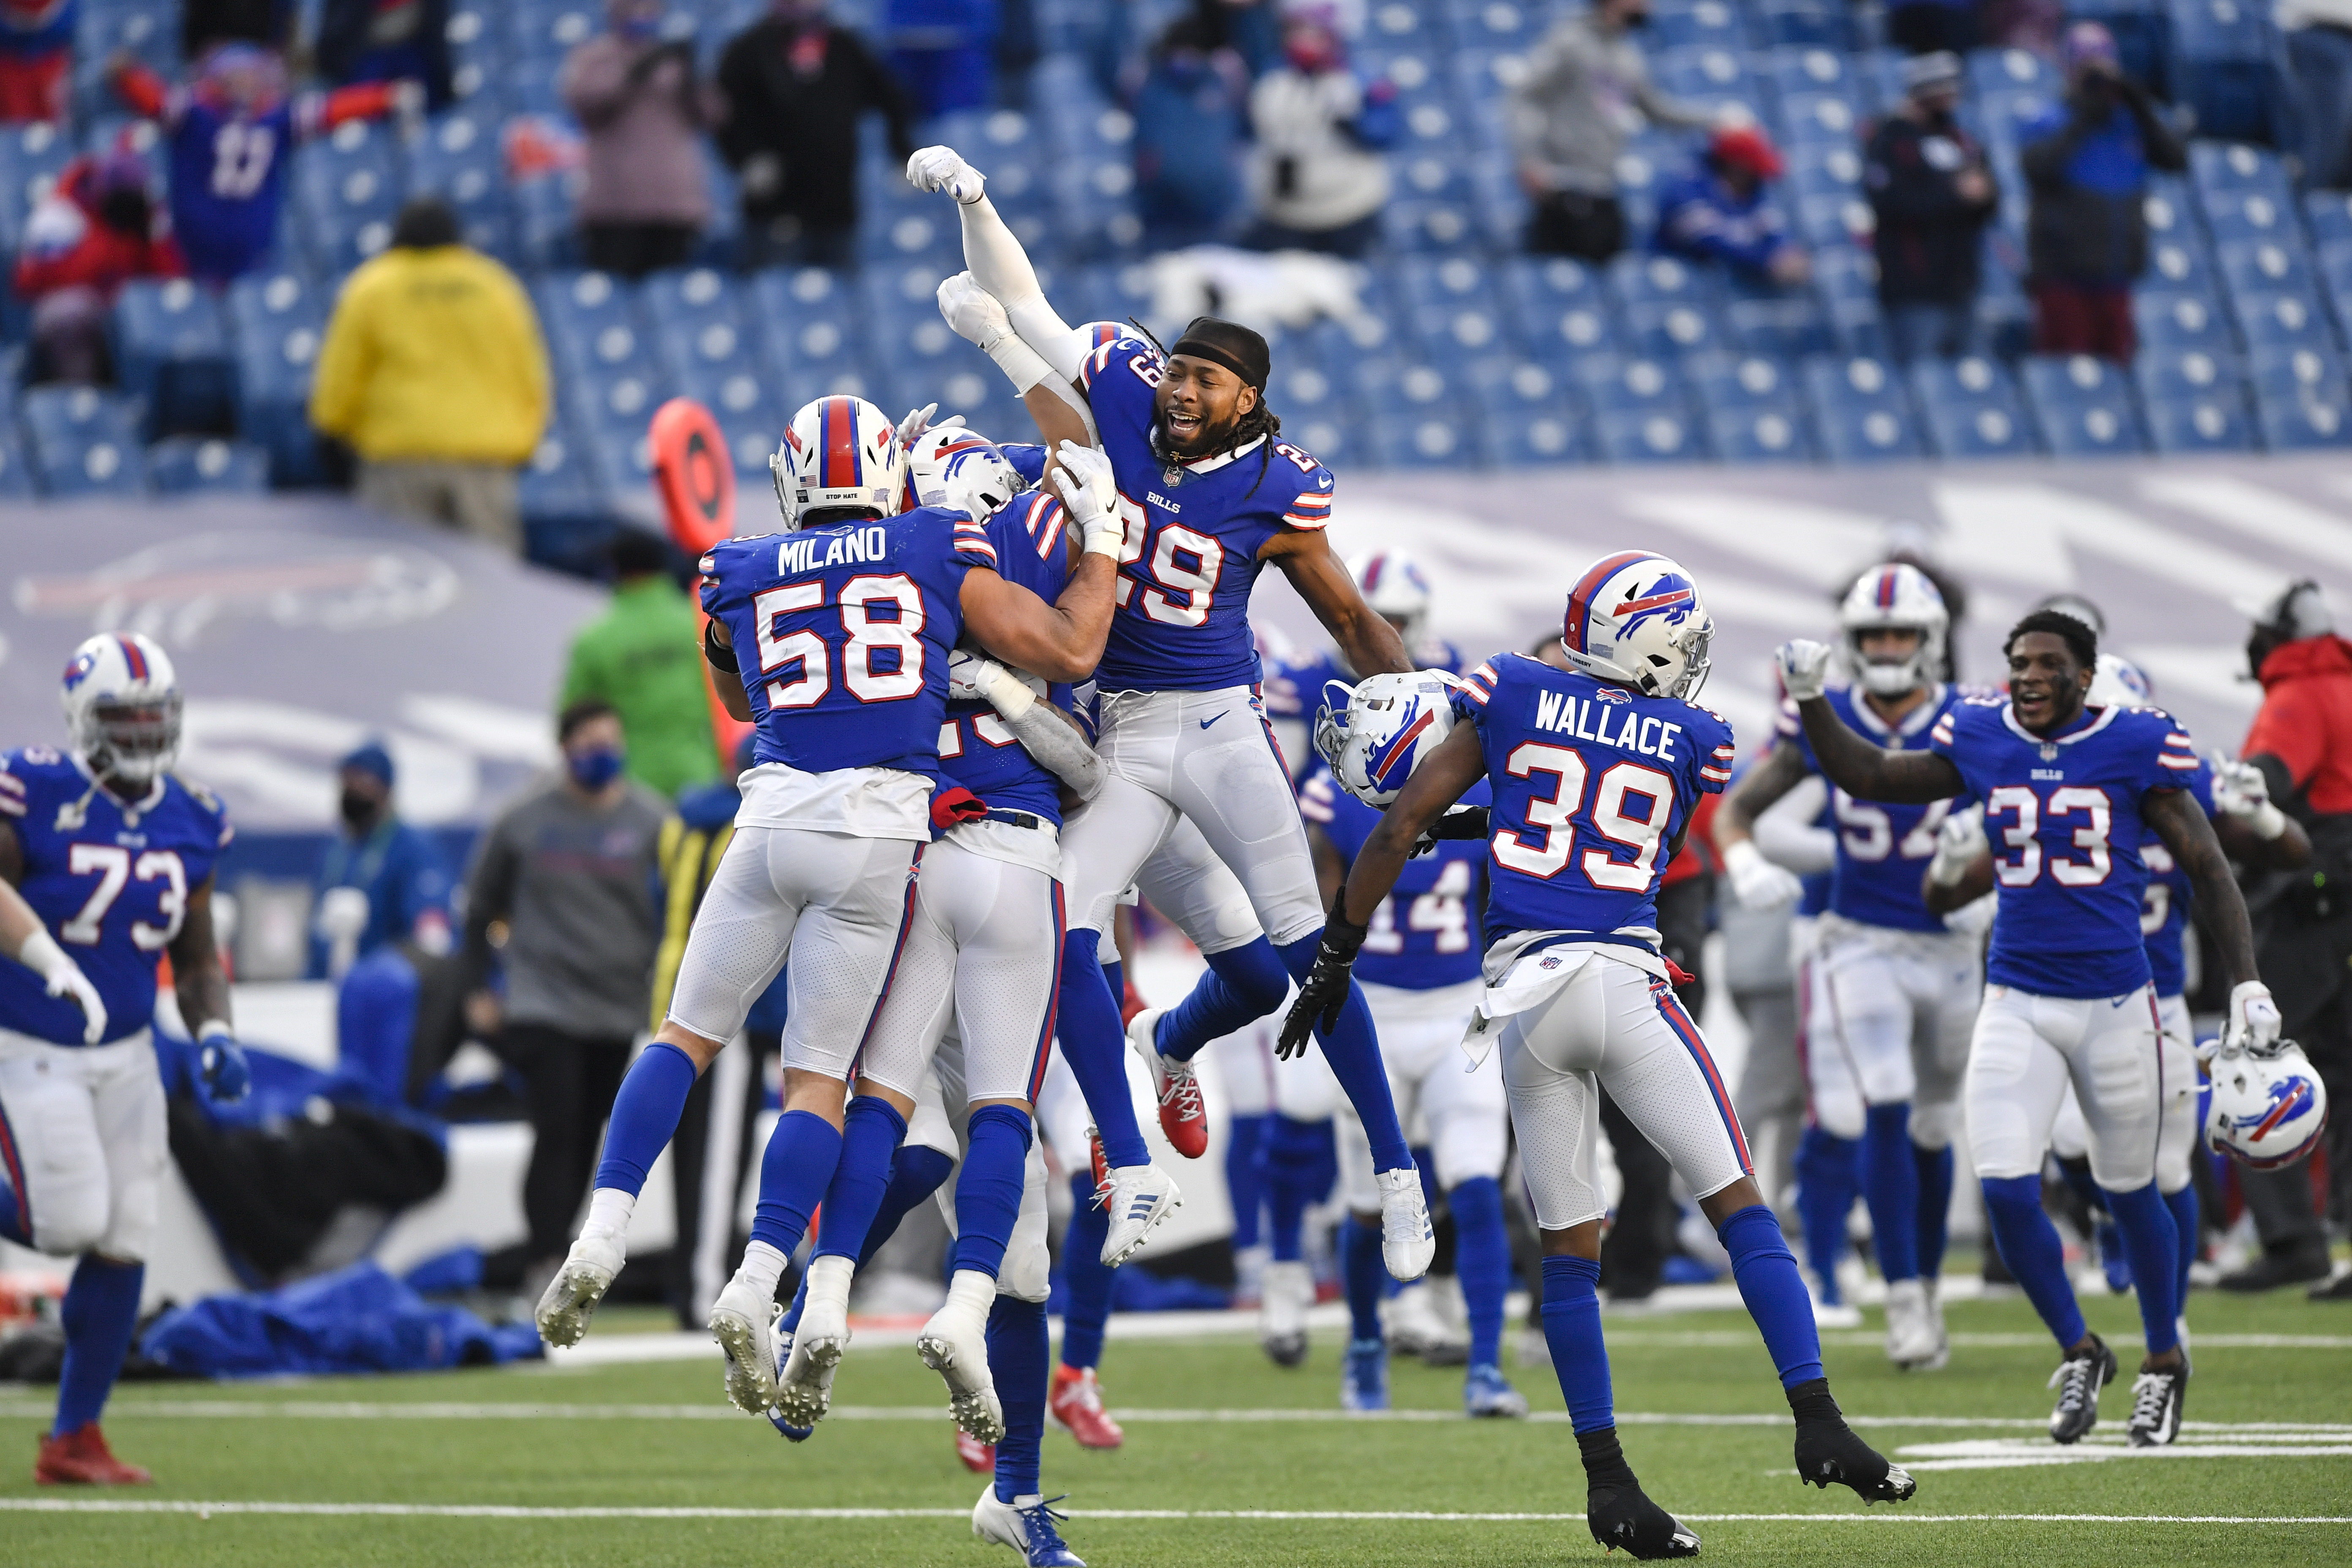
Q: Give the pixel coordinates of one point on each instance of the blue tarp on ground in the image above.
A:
(356, 1320)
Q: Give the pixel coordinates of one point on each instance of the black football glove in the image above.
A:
(1325, 991)
(1461, 822)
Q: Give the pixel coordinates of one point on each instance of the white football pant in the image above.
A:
(2070, 1136)
(1441, 1101)
(2027, 1050)
(1027, 1262)
(82, 1144)
(1892, 1014)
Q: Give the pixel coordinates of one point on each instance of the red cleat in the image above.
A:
(1076, 1403)
(81, 1457)
(1184, 1116)
(979, 1457)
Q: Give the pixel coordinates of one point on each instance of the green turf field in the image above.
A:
(1215, 1434)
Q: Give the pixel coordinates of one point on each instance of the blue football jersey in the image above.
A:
(2063, 814)
(2165, 902)
(228, 181)
(843, 632)
(1591, 785)
(1027, 458)
(1425, 932)
(1193, 531)
(976, 750)
(1882, 849)
(110, 882)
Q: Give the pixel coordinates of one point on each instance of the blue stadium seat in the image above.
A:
(1809, 69)
(2234, 215)
(147, 30)
(1661, 435)
(815, 341)
(1712, 24)
(2316, 371)
(2181, 264)
(1429, 285)
(1764, 319)
(1818, 117)
(2082, 404)
(1664, 327)
(1505, 386)
(172, 348)
(687, 299)
(2329, 213)
(546, 221)
(1528, 437)
(590, 326)
(477, 54)
(2334, 268)
(187, 465)
(1807, 22)
(1861, 409)
(2172, 210)
(1616, 384)
(16, 474)
(2234, 166)
(2213, 423)
(1737, 381)
(2265, 265)
(1440, 223)
(458, 159)
(1302, 394)
(612, 414)
(1561, 309)
(1499, 24)
(31, 158)
(83, 441)
(2011, 70)
(2181, 322)
(2175, 375)
(1713, 76)
(1846, 279)
(1406, 392)
(1335, 433)
(1414, 28)
(346, 189)
(1971, 408)
(2295, 423)
(277, 319)
(567, 515)
(1636, 278)
(1764, 435)
(748, 410)
(2284, 321)
(549, 29)
(1430, 437)
(1344, 349)
(1643, 170)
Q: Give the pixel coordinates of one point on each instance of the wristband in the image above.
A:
(207, 1033)
(2268, 822)
(1342, 938)
(720, 656)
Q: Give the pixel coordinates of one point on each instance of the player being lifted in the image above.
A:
(1595, 774)
(1894, 993)
(2073, 791)
(113, 858)
(1210, 494)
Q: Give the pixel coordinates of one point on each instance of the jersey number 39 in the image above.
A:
(1620, 786)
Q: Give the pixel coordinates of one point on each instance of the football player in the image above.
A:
(114, 857)
(1594, 776)
(1892, 994)
(2074, 791)
(1210, 495)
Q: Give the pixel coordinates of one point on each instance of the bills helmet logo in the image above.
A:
(2289, 1098)
(1614, 694)
(79, 669)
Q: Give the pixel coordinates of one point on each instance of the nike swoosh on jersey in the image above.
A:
(1206, 722)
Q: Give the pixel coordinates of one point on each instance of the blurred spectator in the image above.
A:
(96, 229)
(1318, 181)
(647, 197)
(562, 895)
(382, 881)
(1932, 190)
(795, 88)
(944, 51)
(1721, 212)
(2086, 161)
(204, 23)
(386, 41)
(644, 657)
(1191, 113)
(37, 39)
(231, 127)
(2302, 740)
(2320, 62)
(1931, 27)
(434, 371)
(1586, 86)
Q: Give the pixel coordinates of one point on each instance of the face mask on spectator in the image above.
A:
(124, 210)
(358, 810)
(593, 767)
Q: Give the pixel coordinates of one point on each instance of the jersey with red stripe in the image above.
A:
(1882, 849)
(976, 750)
(2064, 817)
(842, 634)
(1294, 689)
(1193, 531)
(110, 882)
(1593, 782)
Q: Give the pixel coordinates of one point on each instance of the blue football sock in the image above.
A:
(988, 1192)
(871, 1130)
(2185, 1226)
(1089, 1283)
(1241, 985)
(1362, 1273)
(1245, 1176)
(645, 1115)
(1353, 1052)
(1302, 1161)
(102, 1310)
(1580, 1357)
(793, 1173)
(1934, 1168)
(1113, 976)
(1094, 1042)
(1891, 1188)
(2029, 1243)
(1828, 1172)
(2154, 1247)
(1017, 1359)
(2076, 1175)
(1769, 1282)
(1481, 1261)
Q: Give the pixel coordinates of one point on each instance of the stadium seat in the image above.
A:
(147, 30)
(1654, 436)
(31, 158)
(2265, 265)
(1505, 387)
(1971, 408)
(1764, 435)
(477, 54)
(83, 441)
(1344, 348)
(612, 414)
(1860, 409)
(1334, 434)
(1521, 438)
(1615, 384)
(2329, 215)
(458, 159)
(1804, 22)
(550, 29)
(1715, 24)
(345, 190)
(2171, 209)
(2302, 422)
(748, 409)
(1432, 437)
(1809, 69)
(2082, 404)
(1727, 382)
(2234, 215)
(1428, 285)
(2181, 322)
(1818, 118)
(546, 220)
(2309, 371)
(186, 464)
(687, 302)
(1710, 76)
(2216, 424)
(590, 326)
(2234, 166)
(2181, 264)
(1561, 310)
(1764, 319)
(2284, 321)
(2011, 70)
(172, 348)
(2184, 375)
(277, 319)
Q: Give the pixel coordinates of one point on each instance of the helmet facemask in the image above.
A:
(134, 743)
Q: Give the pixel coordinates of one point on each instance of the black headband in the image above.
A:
(1230, 345)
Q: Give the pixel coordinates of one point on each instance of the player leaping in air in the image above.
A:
(1595, 775)
(1210, 494)
(2070, 792)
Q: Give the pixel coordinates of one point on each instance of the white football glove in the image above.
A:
(1974, 918)
(1958, 842)
(2243, 791)
(917, 424)
(973, 312)
(1756, 881)
(2253, 1025)
(63, 977)
(965, 668)
(1804, 668)
(1084, 478)
(943, 169)
(974, 677)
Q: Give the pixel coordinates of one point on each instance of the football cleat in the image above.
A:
(1183, 1115)
(955, 1345)
(1285, 1293)
(1827, 1314)
(1026, 1525)
(571, 1297)
(979, 1457)
(784, 1352)
(1098, 1162)
(2156, 1398)
(1943, 1356)
(805, 1385)
(1829, 1451)
(1140, 1197)
(740, 1322)
(2078, 1381)
(1416, 1327)
(80, 1458)
(1912, 1341)
(1486, 1391)
(1408, 1242)
(1364, 1376)
(1623, 1519)
(1075, 1404)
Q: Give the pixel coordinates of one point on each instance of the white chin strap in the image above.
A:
(1891, 679)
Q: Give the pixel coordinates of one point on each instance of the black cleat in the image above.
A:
(1829, 1451)
(2078, 1381)
(1623, 1519)
(2158, 1394)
